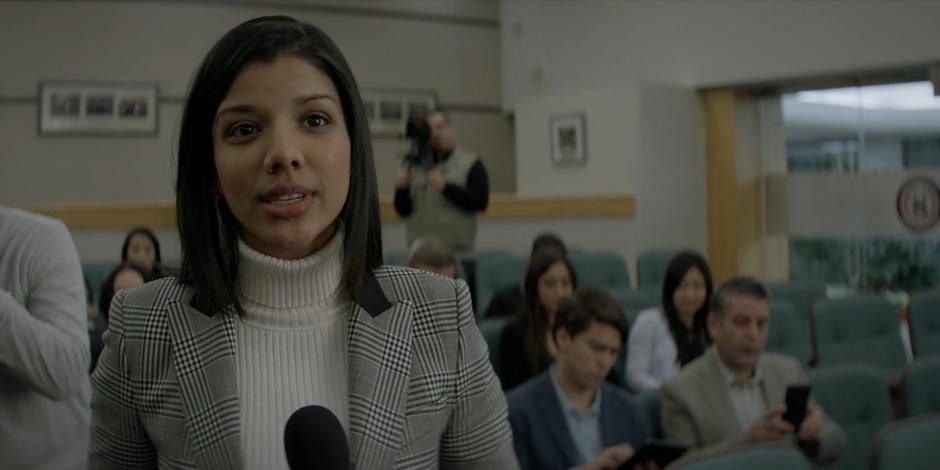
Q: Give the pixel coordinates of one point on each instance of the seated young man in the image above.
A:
(568, 416)
(734, 393)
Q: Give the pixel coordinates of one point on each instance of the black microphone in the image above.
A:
(314, 440)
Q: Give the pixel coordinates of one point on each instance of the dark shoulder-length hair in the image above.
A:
(534, 319)
(208, 229)
(678, 266)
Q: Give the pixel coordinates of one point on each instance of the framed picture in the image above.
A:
(389, 110)
(97, 108)
(569, 140)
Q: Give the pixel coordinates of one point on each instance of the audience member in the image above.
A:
(124, 276)
(526, 343)
(664, 339)
(441, 197)
(568, 416)
(44, 388)
(507, 301)
(429, 253)
(734, 393)
(141, 248)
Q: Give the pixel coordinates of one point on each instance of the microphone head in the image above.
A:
(314, 439)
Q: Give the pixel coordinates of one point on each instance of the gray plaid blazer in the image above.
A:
(422, 393)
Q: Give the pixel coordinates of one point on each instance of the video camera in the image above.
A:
(418, 132)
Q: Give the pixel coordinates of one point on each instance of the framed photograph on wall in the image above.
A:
(389, 109)
(569, 139)
(97, 108)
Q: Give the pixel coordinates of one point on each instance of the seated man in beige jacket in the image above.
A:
(734, 393)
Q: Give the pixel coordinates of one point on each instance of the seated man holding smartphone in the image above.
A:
(568, 416)
(736, 394)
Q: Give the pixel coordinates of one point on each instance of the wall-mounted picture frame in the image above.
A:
(569, 139)
(98, 108)
(389, 109)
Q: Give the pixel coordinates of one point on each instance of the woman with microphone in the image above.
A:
(282, 300)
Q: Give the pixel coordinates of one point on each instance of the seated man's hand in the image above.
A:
(812, 425)
(610, 458)
(770, 427)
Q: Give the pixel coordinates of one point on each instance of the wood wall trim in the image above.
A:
(722, 184)
(502, 206)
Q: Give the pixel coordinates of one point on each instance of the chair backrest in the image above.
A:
(909, 444)
(786, 333)
(632, 302)
(494, 271)
(922, 385)
(649, 401)
(96, 274)
(857, 398)
(861, 329)
(396, 258)
(802, 295)
(774, 457)
(651, 268)
(491, 330)
(924, 322)
(601, 269)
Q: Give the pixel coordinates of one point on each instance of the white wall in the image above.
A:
(451, 47)
(633, 66)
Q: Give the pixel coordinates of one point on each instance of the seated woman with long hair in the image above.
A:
(526, 346)
(664, 339)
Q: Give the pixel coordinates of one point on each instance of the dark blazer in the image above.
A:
(540, 431)
(422, 393)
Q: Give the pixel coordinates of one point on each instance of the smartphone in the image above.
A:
(659, 451)
(796, 400)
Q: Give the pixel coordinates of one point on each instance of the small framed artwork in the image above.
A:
(389, 110)
(97, 108)
(569, 139)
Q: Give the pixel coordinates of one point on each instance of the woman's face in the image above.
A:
(690, 294)
(554, 285)
(141, 252)
(282, 156)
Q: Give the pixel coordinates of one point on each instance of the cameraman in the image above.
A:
(439, 194)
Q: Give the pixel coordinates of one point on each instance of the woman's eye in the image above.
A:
(316, 120)
(242, 130)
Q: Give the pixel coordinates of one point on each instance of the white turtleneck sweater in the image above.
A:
(291, 346)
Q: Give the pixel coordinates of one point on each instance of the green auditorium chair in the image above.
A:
(762, 457)
(786, 333)
(651, 270)
(922, 387)
(860, 329)
(857, 398)
(96, 274)
(924, 322)
(632, 302)
(396, 258)
(603, 270)
(908, 444)
(495, 270)
(802, 295)
(492, 330)
(649, 402)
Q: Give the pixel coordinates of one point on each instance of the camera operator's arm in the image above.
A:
(476, 195)
(403, 192)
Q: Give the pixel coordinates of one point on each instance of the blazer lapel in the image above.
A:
(556, 425)
(204, 356)
(716, 392)
(379, 346)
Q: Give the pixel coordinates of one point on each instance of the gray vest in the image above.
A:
(435, 214)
